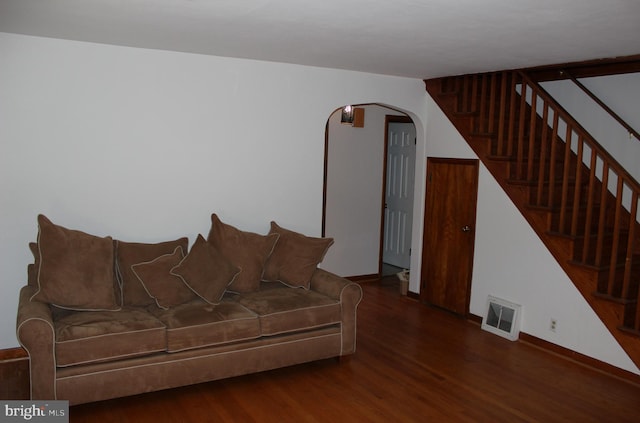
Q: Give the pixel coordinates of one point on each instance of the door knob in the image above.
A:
(466, 228)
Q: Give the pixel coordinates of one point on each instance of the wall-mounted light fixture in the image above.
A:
(347, 115)
(353, 116)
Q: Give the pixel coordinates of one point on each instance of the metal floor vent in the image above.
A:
(502, 318)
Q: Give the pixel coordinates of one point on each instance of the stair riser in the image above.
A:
(613, 286)
(630, 317)
(524, 168)
(464, 122)
(607, 250)
(563, 224)
(551, 196)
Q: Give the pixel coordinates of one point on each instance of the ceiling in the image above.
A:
(410, 38)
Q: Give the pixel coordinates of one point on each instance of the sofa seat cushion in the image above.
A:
(284, 309)
(199, 324)
(94, 336)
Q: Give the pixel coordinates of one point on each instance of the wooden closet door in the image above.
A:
(449, 233)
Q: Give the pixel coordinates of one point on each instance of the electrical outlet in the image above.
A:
(553, 325)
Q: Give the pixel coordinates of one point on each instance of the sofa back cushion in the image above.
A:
(247, 250)
(76, 269)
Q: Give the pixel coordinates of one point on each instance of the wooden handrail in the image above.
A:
(587, 91)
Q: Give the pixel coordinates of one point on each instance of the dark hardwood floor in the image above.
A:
(413, 363)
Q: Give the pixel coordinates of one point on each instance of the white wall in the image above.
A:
(144, 145)
(355, 172)
(511, 262)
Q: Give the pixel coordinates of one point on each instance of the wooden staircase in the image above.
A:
(520, 134)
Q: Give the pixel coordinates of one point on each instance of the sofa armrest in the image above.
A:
(349, 294)
(35, 332)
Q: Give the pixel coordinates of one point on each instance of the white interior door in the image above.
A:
(401, 159)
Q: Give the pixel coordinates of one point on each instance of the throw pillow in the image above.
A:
(206, 271)
(247, 250)
(130, 253)
(167, 289)
(76, 269)
(295, 257)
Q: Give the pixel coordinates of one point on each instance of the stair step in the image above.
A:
(552, 193)
(522, 182)
(498, 158)
(534, 182)
(490, 135)
(449, 100)
(535, 161)
(613, 299)
(531, 167)
(554, 216)
(466, 114)
(578, 241)
(557, 181)
(621, 254)
(557, 223)
(602, 268)
(631, 331)
(612, 288)
(525, 145)
(626, 309)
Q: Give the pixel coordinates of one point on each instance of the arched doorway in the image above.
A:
(356, 182)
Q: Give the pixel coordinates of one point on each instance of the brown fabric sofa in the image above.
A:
(161, 322)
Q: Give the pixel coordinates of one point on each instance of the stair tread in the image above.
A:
(581, 236)
(614, 299)
(631, 331)
(556, 209)
(557, 181)
(498, 158)
(600, 268)
(484, 134)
